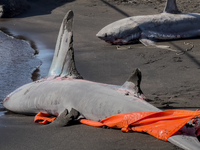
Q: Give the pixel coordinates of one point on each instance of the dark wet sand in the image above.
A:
(169, 80)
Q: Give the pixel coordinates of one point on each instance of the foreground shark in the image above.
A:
(66, 95)
(171, 24)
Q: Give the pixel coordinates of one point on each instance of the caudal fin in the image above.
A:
(63, 63)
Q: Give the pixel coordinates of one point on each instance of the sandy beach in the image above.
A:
(170, 81)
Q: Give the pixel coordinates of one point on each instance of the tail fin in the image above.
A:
(63, 63)
(171, 7)
(134, 81)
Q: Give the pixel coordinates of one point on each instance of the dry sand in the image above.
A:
(187, 6)
(169, 80)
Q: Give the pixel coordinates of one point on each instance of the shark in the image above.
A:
(65, 94)
(169, 25)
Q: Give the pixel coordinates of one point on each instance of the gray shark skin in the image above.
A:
(65, 90)
(171, 24)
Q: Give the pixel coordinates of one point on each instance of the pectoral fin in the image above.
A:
(62, 120)
(149, 42)
(65, 118)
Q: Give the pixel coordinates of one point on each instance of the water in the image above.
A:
(2, 113)
(18, 61)
(46, 55)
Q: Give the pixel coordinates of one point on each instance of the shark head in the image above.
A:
(120, 32)
(109, 34)
(13, 100)
(10, 102)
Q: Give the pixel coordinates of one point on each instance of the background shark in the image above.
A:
(171, 24)
(65, 89)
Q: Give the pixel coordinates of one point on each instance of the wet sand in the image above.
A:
(170, 81)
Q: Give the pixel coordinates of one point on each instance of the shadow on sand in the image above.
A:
(42, 7)
(115, 8)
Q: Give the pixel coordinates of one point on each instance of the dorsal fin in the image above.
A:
(171, 7)
(133, 82)
(63, 63)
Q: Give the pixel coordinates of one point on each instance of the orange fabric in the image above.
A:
(161, 125)
(44, 118)
(91, 123)
(164, 124)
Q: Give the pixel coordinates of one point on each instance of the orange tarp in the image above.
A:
(161, 125)
(44, 118)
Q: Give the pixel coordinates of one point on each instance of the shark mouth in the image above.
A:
(123, 40)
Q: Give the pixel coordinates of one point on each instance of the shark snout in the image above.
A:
(6, 102)
(101, 35)
(12, 104)
(105, 35)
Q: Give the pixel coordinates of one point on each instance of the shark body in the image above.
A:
(64, 89)
(169, 25)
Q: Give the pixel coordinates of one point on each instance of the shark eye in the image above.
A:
(105, 35)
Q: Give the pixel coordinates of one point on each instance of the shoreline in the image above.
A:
(168, 81)
(16, 56)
